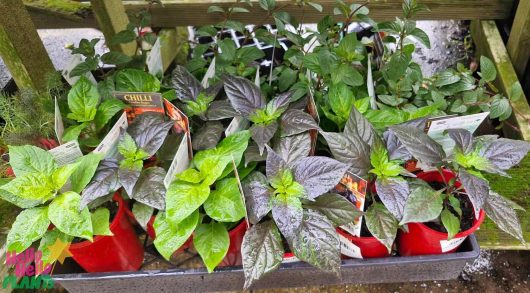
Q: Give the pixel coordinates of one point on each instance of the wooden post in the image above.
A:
(173, 44)
(111, 18)
(519, 40)
(21, 47)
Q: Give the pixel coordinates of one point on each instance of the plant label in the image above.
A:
(241, 193)
(75, 60)
(154, 59)
(59, 126)
(436, 128)
(210, 73)
(238, 123)
(348, 248)
(448, 245)
(66, 153)
(180, 162)
(110, 141)
(353, 188)
(139, 103)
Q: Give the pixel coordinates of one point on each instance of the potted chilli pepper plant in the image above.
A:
(285, 203)
(453, 203)
(205, 201)
(360, 147)
(53, 211)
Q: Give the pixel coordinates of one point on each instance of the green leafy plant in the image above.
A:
(39, 189)
(206, 199)
(292, 200)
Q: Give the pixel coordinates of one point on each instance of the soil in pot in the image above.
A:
(121, 252)
(423, 240)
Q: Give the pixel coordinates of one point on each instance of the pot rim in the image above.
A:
(115, 222)
(362, 238)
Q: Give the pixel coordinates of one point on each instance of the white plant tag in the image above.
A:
(111, 139)
(154, 59)
(208, 75)
(66, 153)
(448, 245)
(59, 126)
(180, 162)
(348, 248)
(75, 60)
(238, 123)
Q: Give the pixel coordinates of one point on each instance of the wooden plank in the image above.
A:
(489, 43)
(21, 47)
(519, 40)
(111, 18)
(176, 13)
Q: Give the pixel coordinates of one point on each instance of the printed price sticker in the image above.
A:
(448, 245)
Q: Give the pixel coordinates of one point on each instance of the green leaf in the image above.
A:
(451, 223)
(135, 80)
(500, 108)
(14, 199)
(350, 48)
(183, 198)
(106, 110)
(335, 207)
(225, 203)
(142, 213)
(267, 4)
(85, 171)
(487, 69)
(384, 118)
(101, 222)
(73, 132)
(317, 6)
(64, 213)
(516, 92)
(211, 241)
(127, 147)
(122, 37)
(83, 99)
(317, 243)
(397, 66)
(30, 159)
(29, 226)
(341, 100)
(287, 78)
(423, 205)
(362, 104)
(115, 58)
(190, 175)
(32, 186)
(170, 237)
(61, 175)
(228, 50)
(446, 77)
(381, 224)
(90, 64)
(262, 251)
(214, 8)
(248, 54)
(421, 36)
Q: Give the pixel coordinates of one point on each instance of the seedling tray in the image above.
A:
(296, 274)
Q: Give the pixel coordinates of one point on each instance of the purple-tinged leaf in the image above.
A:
(318, 175)
(274, 165)
(505, 153)
(296, 121)
(207, 136)
(185, 84)
(262, 251)
(357, 155)
(219, 110)
(252, 154)
(335, 207)
(317, 243)
(293, 148)
(463, 139)
(105, 181)
(393, 192)
(244, 95)
(149, 131)
(396, 150)
(258, 196)
(419, 144)
(263, 133)
(128, 178)
(358, 126)
(213, 90)
(382, 224)
(287, 213)
(423, 205)
(502, 213)
(150, 189)
(477, 189)
(280, 102)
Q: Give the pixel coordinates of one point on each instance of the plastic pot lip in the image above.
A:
(476, 222)
(240, 228)
(115, 222)
(366, 239)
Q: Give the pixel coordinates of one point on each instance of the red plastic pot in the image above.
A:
(121, 252)
(422, 240)
(367, 247)
(233, 256)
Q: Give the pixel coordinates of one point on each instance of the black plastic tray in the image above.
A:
(297, 274)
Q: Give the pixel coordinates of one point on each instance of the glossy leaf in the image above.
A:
(463, 139)
(244, 95)
(104, 182)
(262, 133)
(275, 165)
(505, 153)
(185, 84)
(262, 251)
(317, 243)
(394, 193)
(142, 213)
(83, 99)
(65, 214)
(150, 189)
(358, 126)
(128, 176)
(382, 224)
(149, 131)
(224, 203)
(451, 223)
(49, 239)
(293, 148)
(101, 222)
(335, 207)
(423, 205)
(211, 241)
(135, 80)
(183, 198)
(287, 213)
(487, 69)
(30, 159)
(296, 121)
(106, 110)
(318, 175)
(29, 226)
(355, 154)
(419, 144)
(84, 172)
(208, 135)
(221, 110)
(258, 196)
(502, 213)
(170, 236)
(477, 189)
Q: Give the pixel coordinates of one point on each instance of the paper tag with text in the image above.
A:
(448, 245)
(348, 248)
(66, 153)
(154, 59)
(180, 162)
(110, 141)
(59, 126)
(75, 60)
